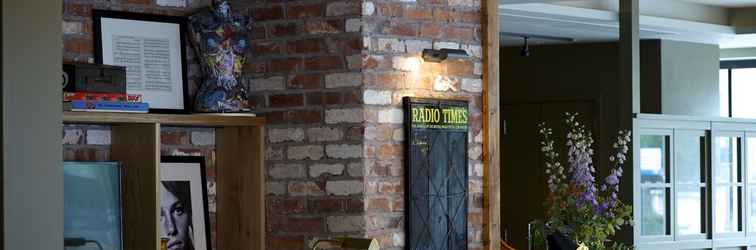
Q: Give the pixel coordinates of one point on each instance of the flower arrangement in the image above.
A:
(575, 206)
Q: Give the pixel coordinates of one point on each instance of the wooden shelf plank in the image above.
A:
(210, 120)
(137, 147)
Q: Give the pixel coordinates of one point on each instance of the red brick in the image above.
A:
(327, 206)
(141, 2)
(79, 45)
(388, 9)
(308, 81)
(379, 205)
(460, 33)
(266, 48)
(324, 98)
(284, 29)
(294, 116)
(285, 65)
(427, 2)
(397, 204)
(459, 67)
(267, 13)
(354, 133)
(467, 17)
(286, 100)
(307, 10)
(312, 45)
(443, 15)
(344, 8)
(256, 67)
(390, 187)
(287, 206)
(259, 32)
(324, 63)
(385, 80)
(355, 206)
(400, 29)
(432, 30)
(344, 45)
(256, 101)
(418, 13)
(74, 9)
(324, 26)
(388, 151)
(353, 97)
(175, 138)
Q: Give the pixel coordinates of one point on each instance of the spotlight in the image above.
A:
(525, 49)
(439, 55)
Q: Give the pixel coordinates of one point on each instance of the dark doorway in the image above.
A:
(523, 181)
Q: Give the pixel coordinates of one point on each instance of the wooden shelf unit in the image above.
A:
(240, 173)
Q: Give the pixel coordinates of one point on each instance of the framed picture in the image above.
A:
(153, 50)
(92, 204)
(183, 204)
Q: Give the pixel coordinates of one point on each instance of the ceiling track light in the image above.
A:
(525, 48)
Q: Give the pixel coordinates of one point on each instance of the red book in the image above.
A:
(104, 97)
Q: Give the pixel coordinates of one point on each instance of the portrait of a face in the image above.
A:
(176, 214)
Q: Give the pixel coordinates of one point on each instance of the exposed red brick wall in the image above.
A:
(329, 76)
(396, 33)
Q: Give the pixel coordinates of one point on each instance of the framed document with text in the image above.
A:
(153, 50)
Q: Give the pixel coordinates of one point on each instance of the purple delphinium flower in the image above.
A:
(581, 163)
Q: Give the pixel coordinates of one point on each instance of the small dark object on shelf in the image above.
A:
(79, 242)
(558, 241)
(94, 78)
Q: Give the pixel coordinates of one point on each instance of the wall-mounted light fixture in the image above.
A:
(439, 55)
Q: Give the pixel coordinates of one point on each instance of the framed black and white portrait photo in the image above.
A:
(153, 50)
(184, 218)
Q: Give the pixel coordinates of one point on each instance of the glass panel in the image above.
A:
(726, 205)
(727, 163)
(724, 92)
(752, 209)
(653, 211)
(652, 158)
(751, 159)
(92, 202)
(688, 159)
(743, 87)
(689, 210)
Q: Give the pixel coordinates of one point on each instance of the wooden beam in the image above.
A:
(629, 61)
(491, 142)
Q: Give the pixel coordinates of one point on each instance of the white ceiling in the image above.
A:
(725, 3)
(584, 22)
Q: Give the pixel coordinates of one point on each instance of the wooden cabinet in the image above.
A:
(239, 169)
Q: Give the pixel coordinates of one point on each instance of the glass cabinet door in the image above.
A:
(690, 182)
(655, 185)
(728, 184)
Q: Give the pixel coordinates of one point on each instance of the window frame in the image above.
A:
(729, 65)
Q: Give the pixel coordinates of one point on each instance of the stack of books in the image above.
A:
(104, 102)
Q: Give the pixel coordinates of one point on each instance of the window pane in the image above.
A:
(743, 89)
(689, 210)
(653, 211)
(751, 159)
(652, 158)
(727, 161)
(752, 209)
(688, 158)
(724, 92)
(726, 205)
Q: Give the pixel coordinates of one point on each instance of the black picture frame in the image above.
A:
(98, 15)
(429, 143)
(194, 160)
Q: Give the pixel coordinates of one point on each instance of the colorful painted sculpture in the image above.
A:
(219, 37)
